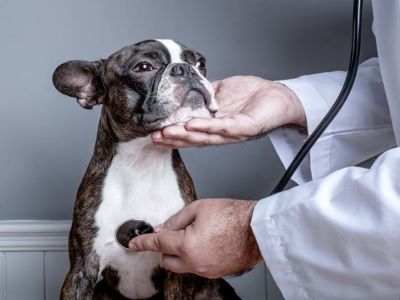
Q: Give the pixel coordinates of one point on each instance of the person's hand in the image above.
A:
(248, 107)
(211, 238)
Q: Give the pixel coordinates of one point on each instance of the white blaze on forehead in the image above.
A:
(174, 49)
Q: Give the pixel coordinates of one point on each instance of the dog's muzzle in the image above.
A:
(183, 94)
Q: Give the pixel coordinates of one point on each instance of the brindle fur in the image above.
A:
(185, 182)
(190, 286)
(84, 264)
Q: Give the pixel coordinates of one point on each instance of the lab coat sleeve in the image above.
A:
(361, 130)
(336, 237)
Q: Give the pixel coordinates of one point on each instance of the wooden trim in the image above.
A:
(35, 235)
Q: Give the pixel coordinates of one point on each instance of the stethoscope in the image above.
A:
(133, 228)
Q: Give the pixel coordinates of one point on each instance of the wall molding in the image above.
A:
(34, 235)
(3, 276)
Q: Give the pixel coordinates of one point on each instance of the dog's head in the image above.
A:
(143, 87)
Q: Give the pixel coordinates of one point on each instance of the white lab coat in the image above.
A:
(337, 235)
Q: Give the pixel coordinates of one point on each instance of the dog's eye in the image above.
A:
(143, 67)
(201, 64)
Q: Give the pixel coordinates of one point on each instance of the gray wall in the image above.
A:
(46, 139)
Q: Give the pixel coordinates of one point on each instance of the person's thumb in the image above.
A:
(216, 84)
(166, 242)
(180, 220)
(221, 126)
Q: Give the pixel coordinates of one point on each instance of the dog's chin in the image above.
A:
(179, 117)
(185, 114)
(194, 106)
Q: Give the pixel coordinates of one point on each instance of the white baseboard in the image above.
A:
(35, 235)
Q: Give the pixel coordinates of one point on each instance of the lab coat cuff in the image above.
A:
(273, 248)
(287, 141)
(313, 103)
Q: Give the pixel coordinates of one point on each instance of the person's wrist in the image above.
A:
(254, 251)
(294, 108)
(284, 107)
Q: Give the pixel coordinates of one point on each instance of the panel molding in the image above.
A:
(34, 235)
(3, 277)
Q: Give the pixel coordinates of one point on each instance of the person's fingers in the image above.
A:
(174, 264)
(176, 137)
(223, 126)
(181, 219)
(202, 139)
(179, 137)
(216, 85)
(198, 139)
(175, 131)
(166, 242)
(157, 135)
(174, 144)
(164, 146)
(199, 133)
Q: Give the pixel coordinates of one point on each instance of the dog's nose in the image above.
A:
(182, 69)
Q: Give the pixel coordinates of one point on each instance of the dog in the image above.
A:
(142, 88)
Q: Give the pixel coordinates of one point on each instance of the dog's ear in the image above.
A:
(81, 80)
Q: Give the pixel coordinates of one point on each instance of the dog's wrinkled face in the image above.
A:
(143, 87)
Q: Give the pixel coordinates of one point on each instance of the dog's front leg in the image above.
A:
(81, 279)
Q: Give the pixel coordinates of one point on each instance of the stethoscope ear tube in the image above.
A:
(341, 99)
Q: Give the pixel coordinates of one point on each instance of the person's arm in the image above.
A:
(361, 130)
(333, 238)
(337, 237)
(251, 106)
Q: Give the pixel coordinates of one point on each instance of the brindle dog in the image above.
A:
(143, 88)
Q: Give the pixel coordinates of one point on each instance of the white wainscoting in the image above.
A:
(34, 261)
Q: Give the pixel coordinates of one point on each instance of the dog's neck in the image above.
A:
(139, 151)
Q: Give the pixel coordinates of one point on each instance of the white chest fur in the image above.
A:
(140, 184)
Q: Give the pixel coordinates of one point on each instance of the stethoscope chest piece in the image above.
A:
(131, 229)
